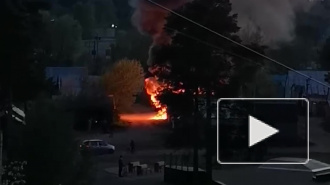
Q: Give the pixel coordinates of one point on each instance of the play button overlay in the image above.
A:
(257, 130)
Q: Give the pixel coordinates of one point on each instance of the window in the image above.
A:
(94, 143)
(103, 143)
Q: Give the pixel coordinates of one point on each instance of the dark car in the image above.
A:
(97, 146)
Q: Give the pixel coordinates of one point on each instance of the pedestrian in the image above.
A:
(132, 146)
(120, 165)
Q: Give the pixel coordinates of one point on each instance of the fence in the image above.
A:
(182, 161)
(179, 170)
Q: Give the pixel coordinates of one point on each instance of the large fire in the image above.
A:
(153, 87)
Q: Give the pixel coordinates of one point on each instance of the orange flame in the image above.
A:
(153, 87)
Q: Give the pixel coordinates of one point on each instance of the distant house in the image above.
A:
(299, 86)
(294, 85)
(68, 79)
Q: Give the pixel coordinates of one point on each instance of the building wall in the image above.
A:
(67, 79)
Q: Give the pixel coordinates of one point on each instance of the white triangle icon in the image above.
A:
(259, 131)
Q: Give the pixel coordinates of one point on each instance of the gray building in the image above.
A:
(101, 44)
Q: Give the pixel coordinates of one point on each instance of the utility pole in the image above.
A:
(95, 54)
(195, 132)
(208, 134)
(196, 137)
(1, 146)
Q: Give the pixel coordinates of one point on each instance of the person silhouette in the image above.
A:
(120, 166)
(132, 146)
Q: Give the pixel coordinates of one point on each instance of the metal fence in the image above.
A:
(182, 161)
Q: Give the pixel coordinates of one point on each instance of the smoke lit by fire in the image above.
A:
(150, 19)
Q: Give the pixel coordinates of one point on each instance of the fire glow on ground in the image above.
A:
(153, 87)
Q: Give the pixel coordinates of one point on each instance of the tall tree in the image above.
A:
(21, 72)
(325, 55)
(85, 14)
(105, 14)
(131, 45)
(200, 60)
(124, 13)
(61, 40)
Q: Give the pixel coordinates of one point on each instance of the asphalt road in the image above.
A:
(149, 145)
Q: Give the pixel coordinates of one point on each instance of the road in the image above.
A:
(149, 144)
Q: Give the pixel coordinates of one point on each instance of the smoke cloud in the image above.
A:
(150, 19)
(275, 19)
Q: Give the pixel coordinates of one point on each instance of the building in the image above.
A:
(300, 86)
(294, 85)
(68, 79)
(101, 44)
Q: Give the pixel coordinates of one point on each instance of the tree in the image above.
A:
(49, 146)
(105, 14)
(85, 14)
(124, 14)
(61, 39)
(132, 45)
(311, 31)
(124, 81)
(193, 63)
(325, 55)
(21, 70)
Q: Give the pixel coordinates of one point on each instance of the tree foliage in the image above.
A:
(192, 58)
(62, 39)
(131, 45)
(21, 71)
(124, 81)
(84, 13)
(325, 55)
(105, 14)
(49, 146)
(311, 31)
(204, 63)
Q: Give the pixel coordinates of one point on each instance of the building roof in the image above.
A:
(52, 72)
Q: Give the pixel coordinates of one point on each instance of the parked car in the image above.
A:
(97, 146)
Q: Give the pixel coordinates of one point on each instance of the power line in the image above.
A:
(237, 43)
